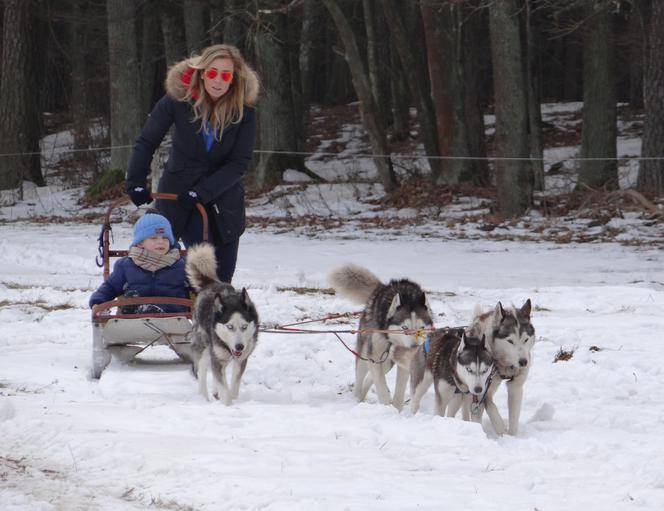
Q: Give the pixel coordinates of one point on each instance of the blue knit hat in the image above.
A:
(152, 224)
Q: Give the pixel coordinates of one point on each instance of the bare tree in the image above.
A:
(151, 54)
(453, 50)
(124, 79)
(19, 99)
(599, 99)
(651, 172)
(79, 33)
(175, 40)
(278, 114)
(311, 51)
(419, 84)
(362, 85)
(533, 73)
(514, 178)
(195, 25)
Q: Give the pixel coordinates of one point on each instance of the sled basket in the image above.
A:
(126, 335)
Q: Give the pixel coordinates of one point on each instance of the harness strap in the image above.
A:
(427, 344)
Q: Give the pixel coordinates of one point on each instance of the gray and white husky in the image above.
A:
(457, 365)
(388, 309)
(225, 326)
(510, 337)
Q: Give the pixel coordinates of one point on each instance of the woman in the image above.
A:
(210, 99)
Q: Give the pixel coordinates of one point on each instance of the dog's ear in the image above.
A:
(525, 310)
(462, 344)
(218, 303)
(498, 313)
(396, 301)
(246, 300)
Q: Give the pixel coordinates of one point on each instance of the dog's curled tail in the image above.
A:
(354, 282)
(201, 266)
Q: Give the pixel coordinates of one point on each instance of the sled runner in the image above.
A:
(126, 335)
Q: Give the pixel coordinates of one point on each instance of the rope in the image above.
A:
(369, 155)
(289, 329)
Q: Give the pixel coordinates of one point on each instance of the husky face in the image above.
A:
(474, 364)
(408, 316)
(513, 336)
(235, 325)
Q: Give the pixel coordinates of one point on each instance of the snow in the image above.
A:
(590, 430)
(141, 437)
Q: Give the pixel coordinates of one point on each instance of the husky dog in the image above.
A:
(395, 306)
(510, 337)
(225, 326)
(457, 365)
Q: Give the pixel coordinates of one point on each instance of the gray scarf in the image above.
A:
(151, 261)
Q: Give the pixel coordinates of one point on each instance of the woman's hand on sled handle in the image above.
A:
(139, 195)
(189, 199)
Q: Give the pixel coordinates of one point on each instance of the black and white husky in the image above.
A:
(510, 337)
(225, 326)
(457, 365)
(388, 309)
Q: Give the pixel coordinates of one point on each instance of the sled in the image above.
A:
(124, 336)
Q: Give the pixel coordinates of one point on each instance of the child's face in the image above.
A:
(157, 243)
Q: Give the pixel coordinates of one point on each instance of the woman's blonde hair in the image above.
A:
(229, 108)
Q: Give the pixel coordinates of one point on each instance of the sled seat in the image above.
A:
(146, 330)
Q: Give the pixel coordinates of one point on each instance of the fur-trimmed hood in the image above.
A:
(179, 76)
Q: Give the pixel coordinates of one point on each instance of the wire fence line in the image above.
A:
(369, 155)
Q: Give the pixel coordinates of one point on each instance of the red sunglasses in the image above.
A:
(226, 76)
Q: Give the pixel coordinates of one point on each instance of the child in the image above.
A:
(152, 268)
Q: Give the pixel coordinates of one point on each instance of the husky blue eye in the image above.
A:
(244, 327)
(469, 370)
(230, 327)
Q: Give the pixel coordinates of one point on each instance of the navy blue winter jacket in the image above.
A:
(215, 175)
(128, 276)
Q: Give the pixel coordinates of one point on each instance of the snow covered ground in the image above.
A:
(591, 428)
(141, 437)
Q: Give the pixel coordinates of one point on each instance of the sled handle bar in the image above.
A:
(108, 253)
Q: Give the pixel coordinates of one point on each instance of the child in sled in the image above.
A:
(153, 267)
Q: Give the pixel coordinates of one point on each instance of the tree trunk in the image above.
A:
(371, 17)
(238, 24)
(514, 178)
(419, 86)
(651, 172)
(78, 36)
(436, 23)
(363, 89)
(217, 21)
(278, 112)
(124, 71)
(175, 40)
(635, 59)
(599, 100)
(311, 52)
(19, 99)
(399, 97)
(151, 53)
(533, 84)
(194, 25)
(472, 48)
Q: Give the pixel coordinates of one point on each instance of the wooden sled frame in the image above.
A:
(126, 335)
